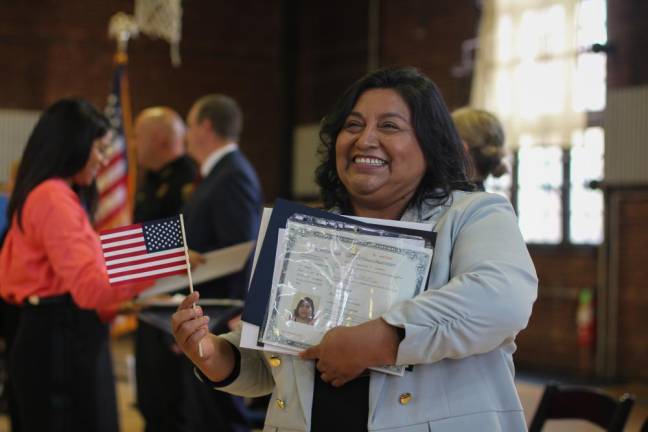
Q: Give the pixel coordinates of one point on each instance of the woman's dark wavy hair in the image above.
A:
(58, 147)
(446, 159)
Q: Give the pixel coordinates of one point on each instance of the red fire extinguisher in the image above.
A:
(585, 322)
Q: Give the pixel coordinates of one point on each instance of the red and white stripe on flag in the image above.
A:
(114, 207)
(112, 183)
(149, 250)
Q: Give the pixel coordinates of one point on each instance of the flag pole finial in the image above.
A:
(122, 27)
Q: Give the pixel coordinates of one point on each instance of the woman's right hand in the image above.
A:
(190, 330)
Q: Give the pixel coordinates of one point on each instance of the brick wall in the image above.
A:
(428, 35)
(626, 349)
(549, 343)
(628, 67)
(331, 54)
(55, 49)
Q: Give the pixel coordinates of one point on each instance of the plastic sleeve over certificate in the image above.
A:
(334, 274)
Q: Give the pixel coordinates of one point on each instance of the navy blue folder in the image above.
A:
(258, 296)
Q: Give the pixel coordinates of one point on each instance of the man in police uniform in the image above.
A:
(167, 178)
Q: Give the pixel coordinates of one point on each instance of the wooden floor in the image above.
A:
(530, 391)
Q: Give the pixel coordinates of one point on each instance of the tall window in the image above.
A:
(537, 71)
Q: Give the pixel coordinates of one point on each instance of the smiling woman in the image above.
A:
(390, 150)
(378, 157)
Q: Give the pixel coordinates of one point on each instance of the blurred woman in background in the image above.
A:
(483, 136)
(51, 266)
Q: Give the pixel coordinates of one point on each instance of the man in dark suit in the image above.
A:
(225, 209)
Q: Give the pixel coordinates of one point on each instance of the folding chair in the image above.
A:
(582, 403)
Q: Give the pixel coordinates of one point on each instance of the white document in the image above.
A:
(218, 263)
(330, 278)
(250, 332)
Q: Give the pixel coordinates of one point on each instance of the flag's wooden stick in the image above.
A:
(191, 290)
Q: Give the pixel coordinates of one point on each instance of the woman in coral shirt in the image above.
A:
(52, 267)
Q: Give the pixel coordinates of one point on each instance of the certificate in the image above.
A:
(330, 276)
(218, 263)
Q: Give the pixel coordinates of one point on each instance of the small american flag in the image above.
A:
(148, 250)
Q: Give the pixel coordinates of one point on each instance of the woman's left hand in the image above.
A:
(345, 352)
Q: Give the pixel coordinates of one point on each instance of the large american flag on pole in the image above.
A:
(113, 179)
(148, 250)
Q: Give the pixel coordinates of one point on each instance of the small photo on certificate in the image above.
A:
(296, 321)
(305, 309)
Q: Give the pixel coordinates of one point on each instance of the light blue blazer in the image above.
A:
(459, 334)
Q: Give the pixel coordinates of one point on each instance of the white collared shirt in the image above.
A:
(215, 157)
